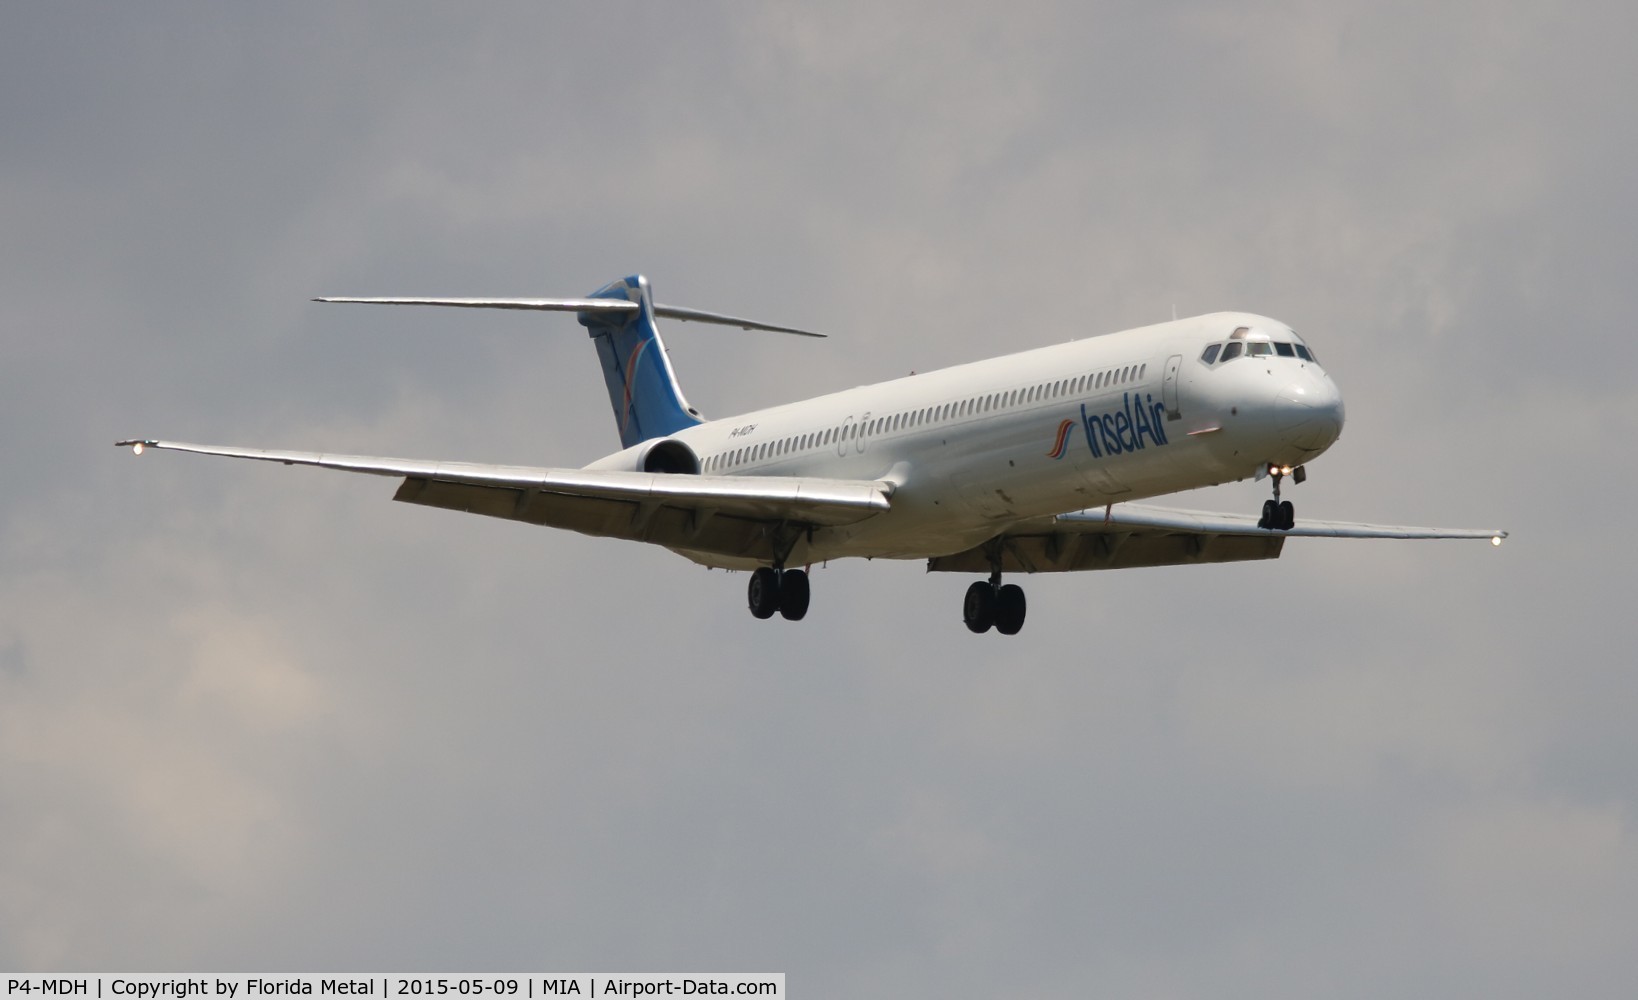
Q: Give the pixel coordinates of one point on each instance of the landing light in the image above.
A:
(1495, 540)
(136, 449)
(1285, 470)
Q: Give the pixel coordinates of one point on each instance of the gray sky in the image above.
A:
(257, 718)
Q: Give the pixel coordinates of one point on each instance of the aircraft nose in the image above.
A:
(1309, 412)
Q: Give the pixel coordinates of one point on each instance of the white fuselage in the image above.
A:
(973, 449)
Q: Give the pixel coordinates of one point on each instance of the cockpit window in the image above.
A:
(1253, 342)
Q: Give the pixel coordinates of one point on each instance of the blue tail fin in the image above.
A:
(642, 387)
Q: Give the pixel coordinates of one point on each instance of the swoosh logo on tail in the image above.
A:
(631, 380)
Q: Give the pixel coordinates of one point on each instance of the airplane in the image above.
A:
(1026, 463)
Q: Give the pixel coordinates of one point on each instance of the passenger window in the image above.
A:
(1232, 351)
(1284, 350)
(1211, 353)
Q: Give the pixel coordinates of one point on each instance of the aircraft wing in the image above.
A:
(1134, 516)
(727, 514)
(1128, 535)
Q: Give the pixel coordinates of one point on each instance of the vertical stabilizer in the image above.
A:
(643, 389)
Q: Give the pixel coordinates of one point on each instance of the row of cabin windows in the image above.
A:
(933, 414)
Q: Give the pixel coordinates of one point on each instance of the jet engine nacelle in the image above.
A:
(667, 455)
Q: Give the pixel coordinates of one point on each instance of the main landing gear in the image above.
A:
(783, 590)
(989, 602)
(1279, 515)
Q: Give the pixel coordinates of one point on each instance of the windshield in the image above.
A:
(1248, 341)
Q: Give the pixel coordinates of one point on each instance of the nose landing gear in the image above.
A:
(1279, 515)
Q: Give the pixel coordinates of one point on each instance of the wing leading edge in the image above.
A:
(728, 515)
(1130, 535)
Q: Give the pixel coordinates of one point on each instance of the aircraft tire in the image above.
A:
(1287, 515)
(793, 594)
(1009, 609)
(762, 594)
(1271, 510)
(978, 609)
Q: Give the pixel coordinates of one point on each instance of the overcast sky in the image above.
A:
(256, 718)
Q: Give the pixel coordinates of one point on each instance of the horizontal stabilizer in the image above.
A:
(550, 305)
(696, 316)
(604, 306)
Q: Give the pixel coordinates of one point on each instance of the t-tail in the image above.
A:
(620, 317)
(643, 389)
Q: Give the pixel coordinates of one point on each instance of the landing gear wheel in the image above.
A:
(793, 594)
(1009, 609)
(1278, 515)
(978, 609)
(763, 592)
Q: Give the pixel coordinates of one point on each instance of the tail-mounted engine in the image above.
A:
(669, 455)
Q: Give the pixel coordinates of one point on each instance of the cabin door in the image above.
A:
(1168, 387)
